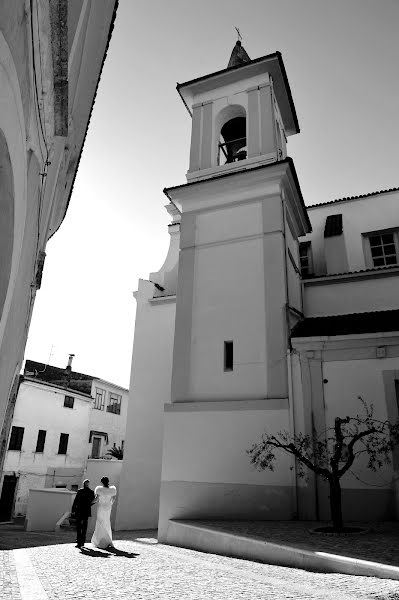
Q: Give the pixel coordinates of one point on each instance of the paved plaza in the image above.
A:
(48, 567)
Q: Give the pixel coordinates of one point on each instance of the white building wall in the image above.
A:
(360, 294)
(42, 407)
(206, 470)
(138, 502)
(345, 382)
(361, 215)
(102, 420)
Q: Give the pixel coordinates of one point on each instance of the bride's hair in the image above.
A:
(105, 481)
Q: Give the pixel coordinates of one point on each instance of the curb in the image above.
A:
(187, 534)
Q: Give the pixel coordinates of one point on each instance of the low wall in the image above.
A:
(95, 469)
(46, 506)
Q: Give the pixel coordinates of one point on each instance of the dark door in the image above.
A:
(7, 497)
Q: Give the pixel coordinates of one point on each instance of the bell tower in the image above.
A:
(243, 113)
(238, 292)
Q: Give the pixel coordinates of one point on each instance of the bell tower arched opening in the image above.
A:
(232, 139)
(234, 144)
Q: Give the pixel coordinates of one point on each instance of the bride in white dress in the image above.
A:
(105, 496)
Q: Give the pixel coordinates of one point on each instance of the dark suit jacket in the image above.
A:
(82, 504)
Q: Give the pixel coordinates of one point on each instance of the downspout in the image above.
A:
(289, 364)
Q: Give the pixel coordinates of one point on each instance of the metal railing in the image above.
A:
(233, 150)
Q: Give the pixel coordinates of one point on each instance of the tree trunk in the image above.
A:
(336, 503)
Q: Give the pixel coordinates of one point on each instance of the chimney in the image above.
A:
(68, 370)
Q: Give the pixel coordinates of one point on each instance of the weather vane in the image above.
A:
(238, 33)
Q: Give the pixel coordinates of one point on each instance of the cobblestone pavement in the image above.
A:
(142, 569)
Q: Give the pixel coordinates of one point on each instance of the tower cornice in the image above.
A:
(271, 63)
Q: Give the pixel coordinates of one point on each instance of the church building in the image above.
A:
(267, 315)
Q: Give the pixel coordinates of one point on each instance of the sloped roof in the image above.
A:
(354, 323)
(59, 377)
(348, 198)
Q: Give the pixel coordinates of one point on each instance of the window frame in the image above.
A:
(102, 402)
(64, 437)
(96, 437)
(67, 400)
(369, 259)
(114, 407)
(18, 437)
(309, 256)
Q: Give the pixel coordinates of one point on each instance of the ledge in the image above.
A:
(163, 299)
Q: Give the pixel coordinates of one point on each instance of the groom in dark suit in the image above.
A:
(81, 508)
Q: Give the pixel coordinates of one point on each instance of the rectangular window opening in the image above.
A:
(63, 445)
(69, 401)
(99, 401)
(114, 403)
(41, 439)
(228, 356)
(17, 434)
(305, 259)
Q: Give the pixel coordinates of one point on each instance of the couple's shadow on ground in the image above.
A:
(107, 553)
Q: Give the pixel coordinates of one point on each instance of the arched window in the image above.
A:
(232, 145)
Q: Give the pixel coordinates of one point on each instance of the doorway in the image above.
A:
(7, 497)
(95, 452)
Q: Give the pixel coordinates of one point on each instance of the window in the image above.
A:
(305, 259)
(383, 248)
(99, 401)
(234, 145)
(69, 401)
(63, 445)
(228, 356)
(41, 438)
(95, 450)
(114, 403)
(17, 434)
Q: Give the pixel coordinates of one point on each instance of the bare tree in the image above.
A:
(331, 453)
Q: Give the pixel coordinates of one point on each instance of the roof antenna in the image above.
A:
(239, 38)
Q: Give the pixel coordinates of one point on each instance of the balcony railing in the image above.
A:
(233, 150)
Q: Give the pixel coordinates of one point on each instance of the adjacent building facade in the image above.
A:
(61, 419)
(267, 315)
(51, 57)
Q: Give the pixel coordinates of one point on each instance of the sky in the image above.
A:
(341, 60)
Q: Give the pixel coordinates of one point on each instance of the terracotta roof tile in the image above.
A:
(395, 189)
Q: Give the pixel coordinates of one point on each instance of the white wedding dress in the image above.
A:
(102, 536)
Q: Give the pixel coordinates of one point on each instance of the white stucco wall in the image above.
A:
(41, 407)
(358, 294)
(210, 445)
(102, 420)
(46, 507)
(346, 380)
(138, 502)
(360, 216)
